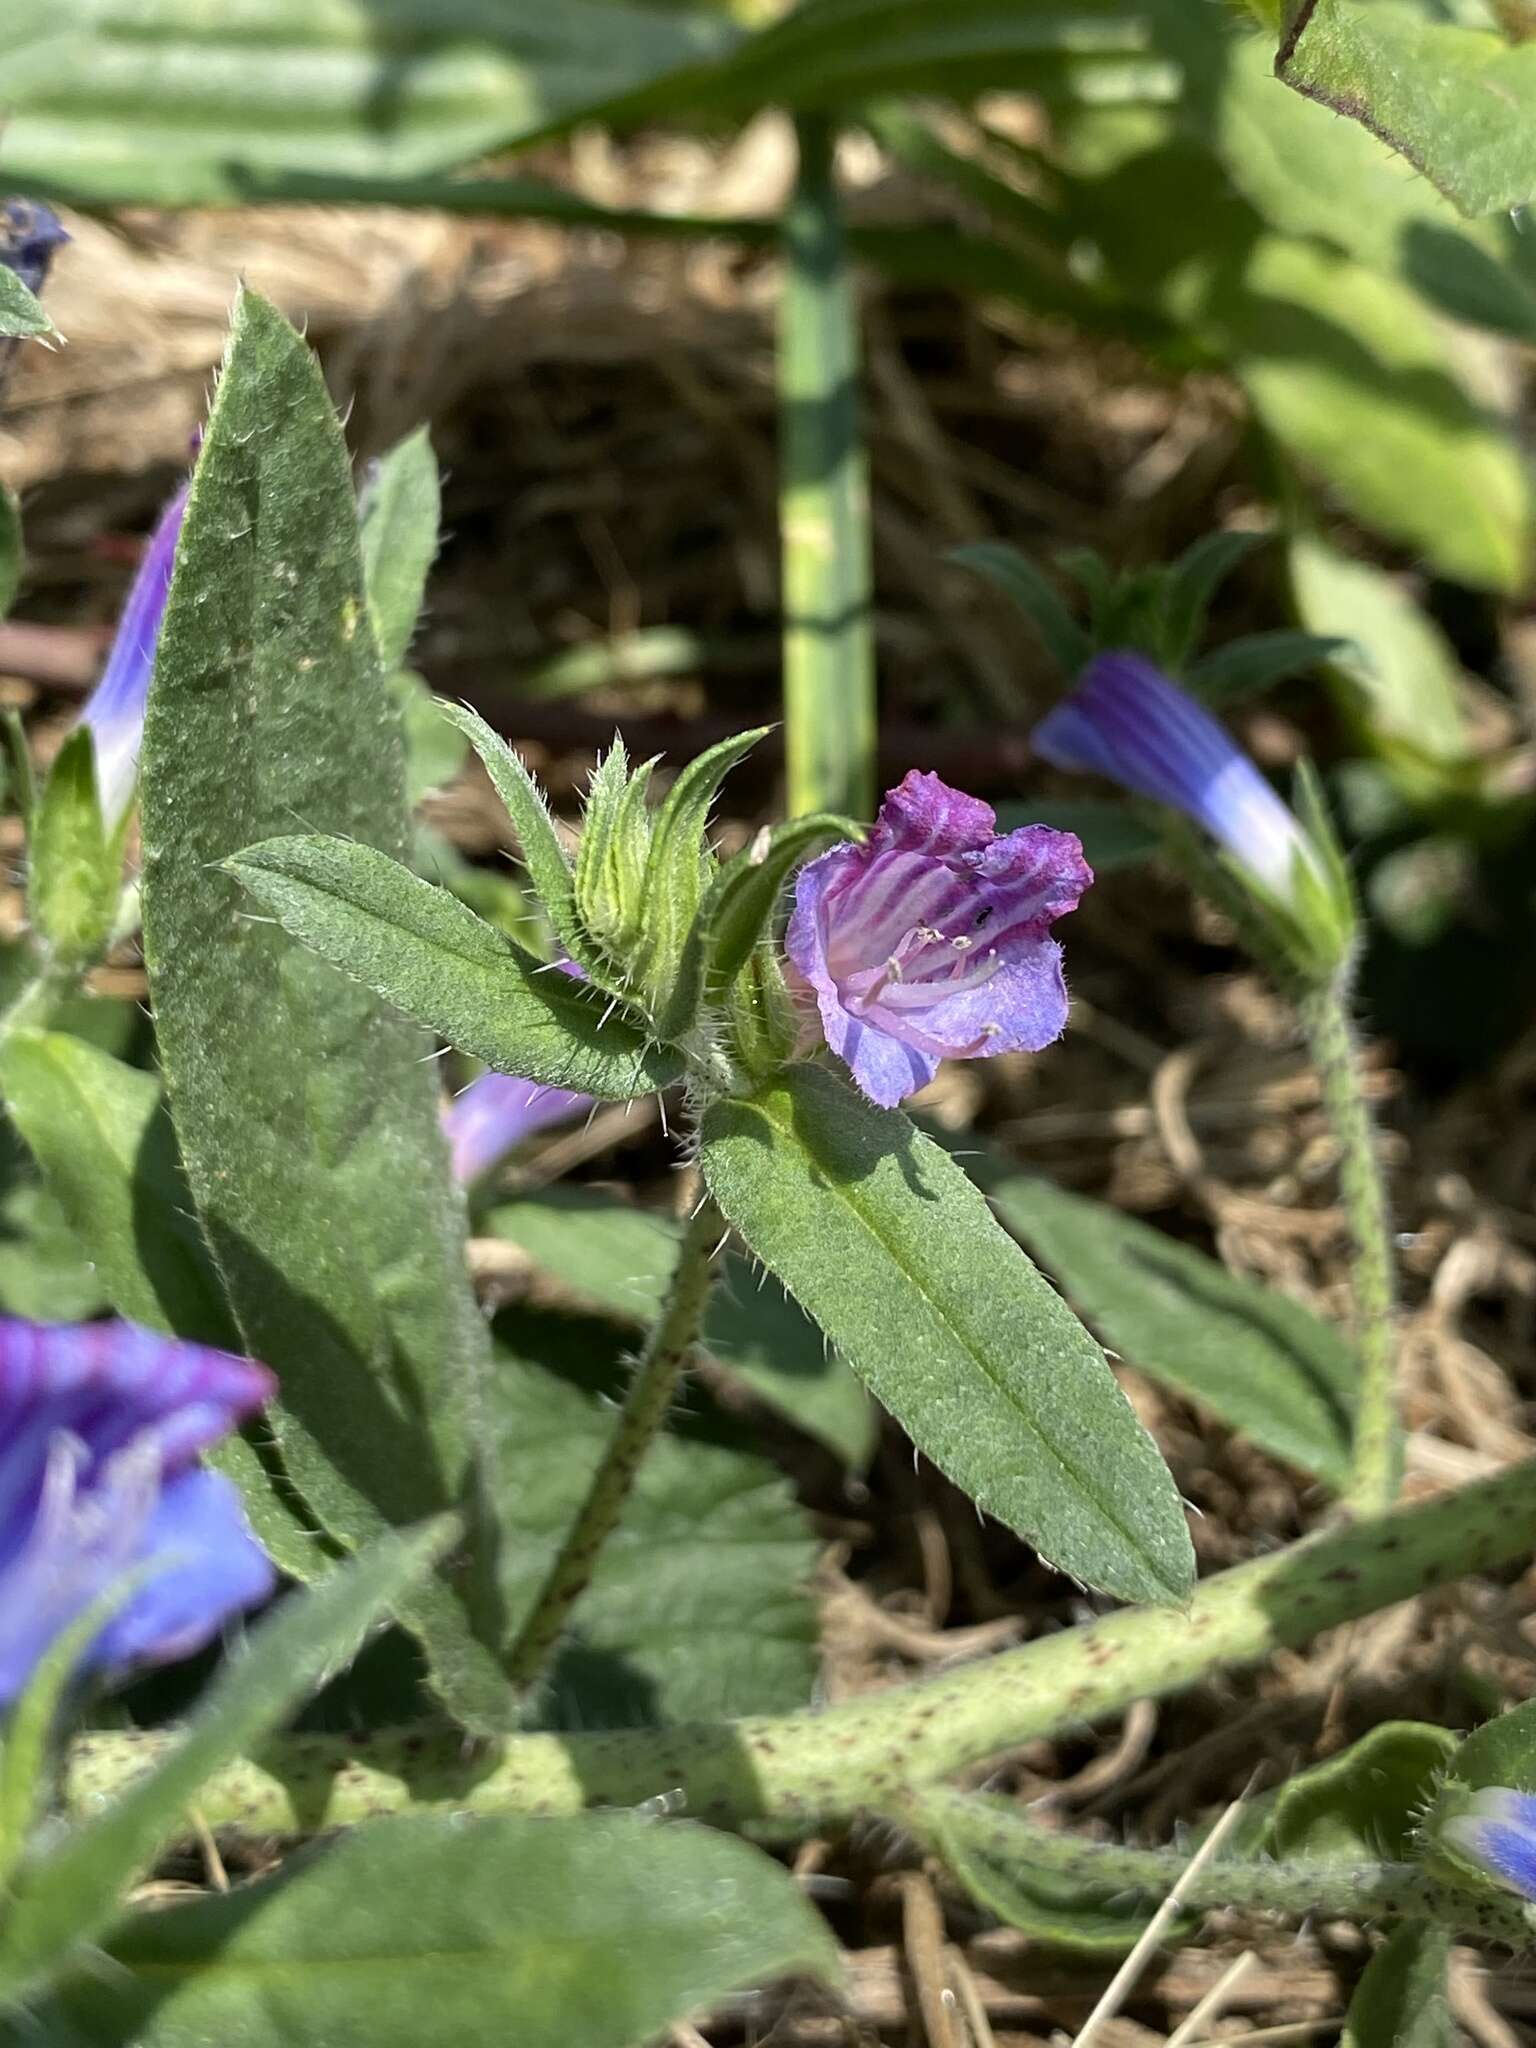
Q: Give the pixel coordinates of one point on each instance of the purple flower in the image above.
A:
(114, 711)
(29, 234)
(1127, 721)
(100, 1428)
(1497, 1829)
(929, 941)
(496, 1112)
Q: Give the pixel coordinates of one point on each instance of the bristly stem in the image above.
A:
(1296, 1888)
(650, 1396)
(1377, 1463)
(829, 678)
(799, 1772)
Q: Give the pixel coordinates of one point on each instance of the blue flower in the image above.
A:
(931, 940)
(495, 1113)
(100, 1429)
(29, 234)
(114, 711)
(1496, 1829)
(1125, 720)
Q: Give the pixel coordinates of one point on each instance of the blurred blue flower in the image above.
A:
(100, 1429)
(495, 1113)
(1125, 720)
(114, 711)
(1497, 1830)
(931, 940)
(29, 234)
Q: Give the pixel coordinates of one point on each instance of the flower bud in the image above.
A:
(1495, 1830)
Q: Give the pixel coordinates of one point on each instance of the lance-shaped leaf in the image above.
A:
(401, 509)
(593, 1932)
(1459, 102)
(881, 1237)
(428, 953)
(1036, 596)
(20, 313)
(676, 865)
(306, 1109)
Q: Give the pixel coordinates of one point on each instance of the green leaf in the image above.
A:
(1068, 645)
(434, 750)
(1501, 1752)
(310, 95)
(1403, 2000)
(20, 313)
(598, 1931)
(399, 533)
(428, 953)
(1310, 173)
(43, 1273)
(1403, 680)
(12, 558)
(1349, 370)
(1458, 102)
(1365, 1804)
(699, 1607)
(1192, 582)
(1262, 1364)
(75, 865)
(66, 1893)
(742, 897)
(544, 857)
(306, 1113)
(1112, 834)
(1252, 662)
(883, 1240)
(986, 1844)
(619, 1257)
(99, 1131)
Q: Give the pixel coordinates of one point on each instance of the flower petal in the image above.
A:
(495, 1113)
(114, 711)
(924, 815)
(213, 1569)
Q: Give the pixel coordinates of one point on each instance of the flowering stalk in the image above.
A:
(813, 1768)
(650, 1396)
(1295, 1888)
(1376, 1465)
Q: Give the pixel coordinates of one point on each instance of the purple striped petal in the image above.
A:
(114, 711)
(100, 1427)
(930, 941)
(1126, 721)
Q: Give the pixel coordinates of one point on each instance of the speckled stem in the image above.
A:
(650, 1395)
(1377, 1457)
(1297, 1888)
(795, 1772)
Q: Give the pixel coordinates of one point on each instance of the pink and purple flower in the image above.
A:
(114, 711)
(101, 1490)
(931, 940)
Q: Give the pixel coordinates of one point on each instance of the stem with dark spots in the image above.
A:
(798, 1772)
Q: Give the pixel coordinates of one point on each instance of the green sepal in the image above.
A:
(614, 879)
(545, 858)
(678, 862)
(760, 1020)
(75, 863)
(735, 911)
(605, 795)
(1190, 583)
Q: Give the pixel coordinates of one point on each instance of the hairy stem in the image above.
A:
(1377, 1465)
(963, 1824)
(645, 1408)
(799, 1771)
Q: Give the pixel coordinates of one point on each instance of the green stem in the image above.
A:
(829, 679)
(650, 1396)
(1377, 1466)
(801, 1771)
(1004, 1832)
